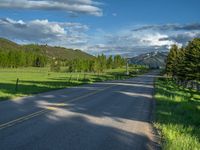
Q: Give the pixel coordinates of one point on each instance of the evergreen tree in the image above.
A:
(192, 60)
(109, 62)
(171, 60)
(118, 61)
(184, 63)
(180, 65)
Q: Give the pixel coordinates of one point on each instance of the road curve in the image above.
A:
(114, 115)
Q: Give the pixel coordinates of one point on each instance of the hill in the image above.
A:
(7, 45)
(50, 51)
(153, 60)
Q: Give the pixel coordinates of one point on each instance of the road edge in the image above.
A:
(156, 142)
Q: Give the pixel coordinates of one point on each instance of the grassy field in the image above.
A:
(177, 116)
(36, 80)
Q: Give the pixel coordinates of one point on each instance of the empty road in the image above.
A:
(114, 115)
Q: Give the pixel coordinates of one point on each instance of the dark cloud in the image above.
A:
(182, 38)
(170, 27)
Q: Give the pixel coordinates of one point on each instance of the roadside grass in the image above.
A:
(177, 116)
(36, 80)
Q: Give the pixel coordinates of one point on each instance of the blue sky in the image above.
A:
(128, 27)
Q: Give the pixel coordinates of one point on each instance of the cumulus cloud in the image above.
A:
(144, 39)
(43, 31)
(76, 6)
(126, 41)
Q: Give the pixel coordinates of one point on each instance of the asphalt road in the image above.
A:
(114, 115)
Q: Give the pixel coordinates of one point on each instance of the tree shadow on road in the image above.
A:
(78, 124)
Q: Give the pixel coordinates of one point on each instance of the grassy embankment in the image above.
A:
(36, 80)
(177, 116)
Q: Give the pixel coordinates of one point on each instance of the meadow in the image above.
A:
(177, 116)
(34, 80)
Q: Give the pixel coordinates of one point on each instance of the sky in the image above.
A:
(126, 27)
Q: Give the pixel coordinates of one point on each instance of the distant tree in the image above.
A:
(118, 61)
(55, 65)
(109, 62)
(91, 66)
(103, 62)
(22, 58)
(39, 60)
(97, 65)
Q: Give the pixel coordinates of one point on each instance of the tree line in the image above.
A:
(22, 58)
(35, 58)
(183, 64)
(98, 64)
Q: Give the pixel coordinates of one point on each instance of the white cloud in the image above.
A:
(42, 31)
(154, 40)
(75, 35)
(133, 42)
(75, 6)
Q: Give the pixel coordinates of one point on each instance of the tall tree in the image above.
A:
(192, 59)
(171, 60)
(109, 62)
(118, 61)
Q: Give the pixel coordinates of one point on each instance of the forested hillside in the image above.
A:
(60, 53)
(14, 55)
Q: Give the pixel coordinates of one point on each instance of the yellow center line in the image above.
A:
(21, 119)
(38, 113)
(90, 94)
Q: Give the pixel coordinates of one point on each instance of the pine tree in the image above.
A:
(180, 65)
(109, 62)
(192, 60)
(171, 61)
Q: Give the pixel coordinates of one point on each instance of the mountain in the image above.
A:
(50, 51)
(153, 60)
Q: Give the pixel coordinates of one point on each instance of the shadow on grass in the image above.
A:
(26, 87)
(172, 89)
(176, 106)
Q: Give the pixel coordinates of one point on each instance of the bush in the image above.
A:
(55, 66)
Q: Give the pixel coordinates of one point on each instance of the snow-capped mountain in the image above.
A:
(153, 60)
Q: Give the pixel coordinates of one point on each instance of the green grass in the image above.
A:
(177, 116)
(36, 80)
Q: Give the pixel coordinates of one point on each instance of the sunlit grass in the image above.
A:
(177, 116)
(35, 80)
